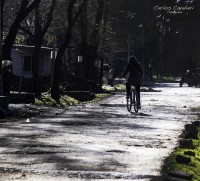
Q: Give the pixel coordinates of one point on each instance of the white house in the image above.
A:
(22, 57)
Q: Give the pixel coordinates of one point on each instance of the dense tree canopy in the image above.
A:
(164, 35)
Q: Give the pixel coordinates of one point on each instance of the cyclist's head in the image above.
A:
(132, 59)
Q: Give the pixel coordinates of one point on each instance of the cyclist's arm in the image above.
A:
(140, 69)
(126, 71)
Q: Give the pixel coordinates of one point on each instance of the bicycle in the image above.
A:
(133, 99)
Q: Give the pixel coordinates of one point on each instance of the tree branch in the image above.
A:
(49, 17)
(27, 31)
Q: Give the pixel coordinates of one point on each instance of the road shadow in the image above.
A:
(29, 141)
(23, 152)
(140, 114)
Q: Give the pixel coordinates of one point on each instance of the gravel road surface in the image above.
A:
(98, 141)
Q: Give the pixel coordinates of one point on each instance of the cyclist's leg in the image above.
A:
(128, 88)
(137, 88)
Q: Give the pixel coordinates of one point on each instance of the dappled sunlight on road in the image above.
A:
(100, 141)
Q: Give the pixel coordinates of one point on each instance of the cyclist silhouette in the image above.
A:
(135, 71)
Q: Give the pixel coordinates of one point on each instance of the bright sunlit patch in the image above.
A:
(28, 120)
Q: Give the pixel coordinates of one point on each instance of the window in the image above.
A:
(27, 66)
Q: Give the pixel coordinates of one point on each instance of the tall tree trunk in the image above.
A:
(39, 36)
(91, 74)
(24, 10)
(102, 44)
(72, 18)
(57, 66)
(1, 30)
(92, 54)
(84, 39)
(9, 41)
(36, 55)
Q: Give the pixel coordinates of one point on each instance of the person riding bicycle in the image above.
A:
(135, 73)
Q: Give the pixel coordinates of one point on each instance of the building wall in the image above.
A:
(18, 62)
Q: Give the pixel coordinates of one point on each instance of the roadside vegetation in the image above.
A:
(114, 88)
(184, 162)
(86, 45)
(47, 100)
(47, 105)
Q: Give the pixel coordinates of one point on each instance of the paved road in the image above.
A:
(98, 142)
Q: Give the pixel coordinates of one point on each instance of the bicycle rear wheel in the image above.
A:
(135, 101)
(129, 102)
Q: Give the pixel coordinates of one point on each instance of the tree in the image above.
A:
(180, 37)
(25, 8)
(32, 28)
(72, 15)
(103, 43)
(39, 37)
(90, 35)
(93, 42)
(1, 28)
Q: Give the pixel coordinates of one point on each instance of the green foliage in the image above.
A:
(64, 100)
(192, 168)
(19, 40)
(197, 109)
(107, 87)
(120, 87)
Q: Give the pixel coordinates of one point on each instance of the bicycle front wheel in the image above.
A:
(129, 102)
(135, 101)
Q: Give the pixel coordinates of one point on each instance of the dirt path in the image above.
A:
(98, 142)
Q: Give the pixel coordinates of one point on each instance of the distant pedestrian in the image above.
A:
(135, 71)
